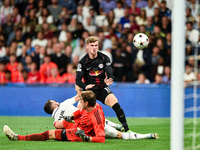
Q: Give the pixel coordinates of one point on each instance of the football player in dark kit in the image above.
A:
(95, 69)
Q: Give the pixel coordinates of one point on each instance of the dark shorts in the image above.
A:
(101, 94)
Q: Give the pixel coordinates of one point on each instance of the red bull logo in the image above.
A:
(95, 73)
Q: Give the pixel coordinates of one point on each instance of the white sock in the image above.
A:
(110, 131)
(112, 124)
(134, 135)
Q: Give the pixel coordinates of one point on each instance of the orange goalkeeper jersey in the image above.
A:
(92, 123)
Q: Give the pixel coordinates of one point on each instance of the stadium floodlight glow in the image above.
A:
(177, 86)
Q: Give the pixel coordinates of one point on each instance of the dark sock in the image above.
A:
(34, 137)
(120, 115)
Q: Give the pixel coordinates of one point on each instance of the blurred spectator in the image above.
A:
(142, 79)
(155, 55)
(93, 16)
(141, 3)
(157, 17)
(2, 49)
(134, 9)
(126, 30)
(143, 59)
(132, 74)
(63, 18)
(17, 75)
(189, 75)
(119, 11)
(45, 69)
(166, 79)
(40, 6)
(110, 21)
(48, 30)
(55, 77)
(69, 4)
(164, 11)
(2, 73)
(12, 65)
(28, 61)
(70, 75)
(134, 26)
(75, 62)
(24, 25)
(8, 26)
(157, 69)
(89, 27)
(30, 4)
(158, 79)
(157, 31)
(118, 65)
(45, 13)
(86, 9)
(79, 16)
(106, 6)
(49, 49)
(68, 52)
(191, 61)
(150, 8)
(73, 25)
(39, 58)
(5, 10)
(33, 75)
(59, 59)
(70, 40)
(22, 56)
(39, 40)
(194, 7)
(142, 18)
(8, 76)
(160, 44)
(168, 40)
(191, 34)
(150, 25)
(12, 35)
(111, 34)
(31, 17)
(62, 35)
(79, 50)
(123, 20)
(31, 33)
(165, 25)
(55, 9)
(30, 49)
(106, 42)
(16, 15)
(189, 17)
(5, 58)
(25, 76)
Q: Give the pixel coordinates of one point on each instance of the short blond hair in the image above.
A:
(91, 39)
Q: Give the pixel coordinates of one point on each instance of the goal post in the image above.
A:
(177, 84)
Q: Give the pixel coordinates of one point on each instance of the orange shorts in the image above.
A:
(67, 125)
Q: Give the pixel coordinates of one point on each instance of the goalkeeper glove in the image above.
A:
(82, 135)
(68, 118)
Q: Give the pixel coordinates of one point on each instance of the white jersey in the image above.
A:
(66, 108)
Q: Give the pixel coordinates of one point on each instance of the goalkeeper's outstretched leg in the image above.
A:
(112, 132)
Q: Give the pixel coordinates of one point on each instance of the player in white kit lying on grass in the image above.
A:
(60, 110)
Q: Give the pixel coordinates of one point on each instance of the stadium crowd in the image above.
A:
(41, 41)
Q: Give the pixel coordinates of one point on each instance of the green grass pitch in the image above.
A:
(29, 125)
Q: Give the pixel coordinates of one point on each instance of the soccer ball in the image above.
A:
(140, 40)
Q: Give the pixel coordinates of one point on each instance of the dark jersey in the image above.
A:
(93, 71)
